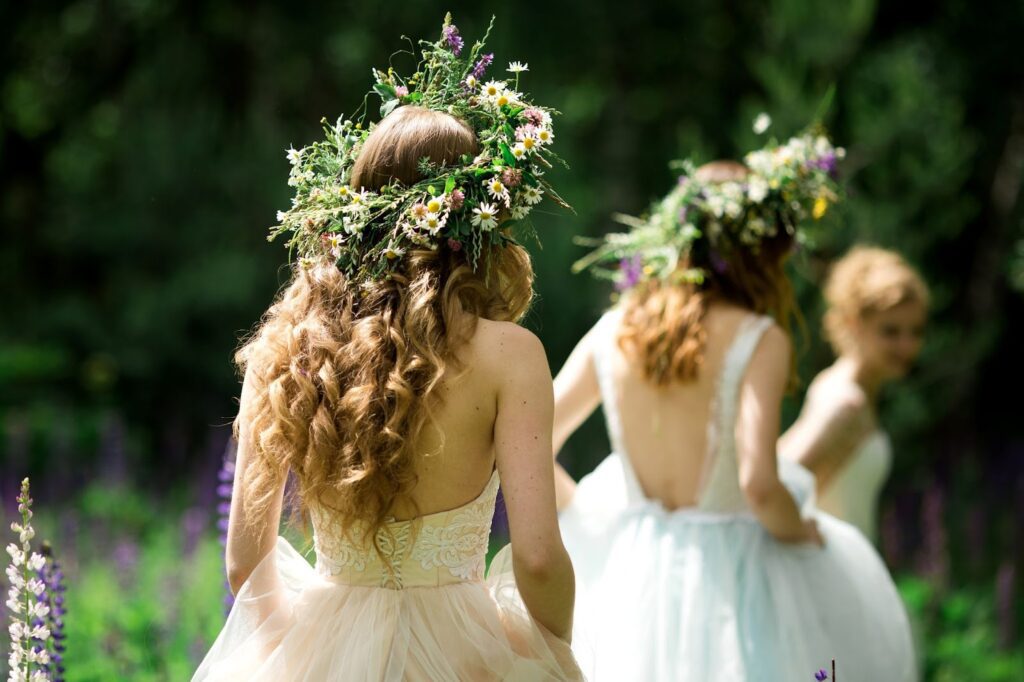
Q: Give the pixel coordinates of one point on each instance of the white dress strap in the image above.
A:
(721, 490)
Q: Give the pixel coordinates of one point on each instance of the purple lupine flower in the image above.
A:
(821, 675)
(225, 485)
(632, 271)
(451, 36)
(1006, 582)
(481, 66)
(53, 577)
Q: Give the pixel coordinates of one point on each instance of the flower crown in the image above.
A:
(785, 184)
(365, 232)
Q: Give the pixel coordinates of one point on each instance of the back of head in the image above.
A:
(343, 376)
(868, 280)
(663, 323)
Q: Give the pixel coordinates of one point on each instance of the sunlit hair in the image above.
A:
(866, 281)
(663, 323)
(342, 379)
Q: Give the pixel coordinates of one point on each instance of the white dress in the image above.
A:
(852, 494)
(431, 617)
(706, 594)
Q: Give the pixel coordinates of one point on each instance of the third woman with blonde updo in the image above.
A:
(877, 306)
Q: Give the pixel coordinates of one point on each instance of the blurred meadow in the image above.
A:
(142, 161)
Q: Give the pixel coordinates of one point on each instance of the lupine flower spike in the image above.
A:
(53, 577)
(27, 602)
(225, 484)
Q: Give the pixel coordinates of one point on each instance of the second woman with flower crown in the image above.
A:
(697, 558)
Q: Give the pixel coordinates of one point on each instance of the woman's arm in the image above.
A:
(522, 439)
(577, 395)
(757, 430)
(825, 437)
(249, 540)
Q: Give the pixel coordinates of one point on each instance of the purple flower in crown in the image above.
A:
(826, 162)
(632, 271)
(481, 65)
(451, 37)
(821, 675)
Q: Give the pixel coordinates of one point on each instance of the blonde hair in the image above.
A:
(867, 280)
(341, 378)
(663, 324)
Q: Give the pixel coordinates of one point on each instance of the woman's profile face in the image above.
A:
(889, 341)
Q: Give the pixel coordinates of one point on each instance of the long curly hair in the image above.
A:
(342, 378)
(663, 323)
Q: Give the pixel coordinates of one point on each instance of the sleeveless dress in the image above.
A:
(427, 614)
(852, 494)
(705, 593)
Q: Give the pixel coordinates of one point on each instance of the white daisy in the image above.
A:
(519, 151)
(531, 195)
(516, 67)
(529, 143)
(762, 123)
(434, 205)
(757, 189)
(471, 81)
(485, 216)
(392, 252)
(294, 155)
(334, 241)
(496, 188)
(492, 89)
(343, 191)
(359, 198)
(545, 136)
(506, 97)
(433, 222)
(520, 212)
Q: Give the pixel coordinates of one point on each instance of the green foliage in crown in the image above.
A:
(701, 221)
(468, 205)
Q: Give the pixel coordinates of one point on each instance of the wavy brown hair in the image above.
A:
(341, 379)
(663, 323)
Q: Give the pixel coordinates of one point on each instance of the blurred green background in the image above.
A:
(142, 159)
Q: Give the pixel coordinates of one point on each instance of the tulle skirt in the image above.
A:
(289, 623)
(699, 597)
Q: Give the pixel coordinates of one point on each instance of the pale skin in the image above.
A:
(664, 429)
(840, 410)
(496, 413)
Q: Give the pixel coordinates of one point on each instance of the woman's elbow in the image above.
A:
(759, 488)
(237, 575)
(543, 564)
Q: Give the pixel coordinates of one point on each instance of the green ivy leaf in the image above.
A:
(387, 92)
(506, 154)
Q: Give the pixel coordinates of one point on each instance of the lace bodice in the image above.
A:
(721, 490)
(436, 549)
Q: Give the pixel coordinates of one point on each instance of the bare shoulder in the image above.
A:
(506, 347)
(774, 351)
(836, 397)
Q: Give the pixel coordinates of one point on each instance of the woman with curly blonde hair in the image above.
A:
(697, 557)
(392, 383)
(877, 307)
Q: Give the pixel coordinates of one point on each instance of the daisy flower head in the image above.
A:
(519, 151)
(762, 123)
(343, 191)
(529, 143)
(471, 81)
(433, 222)
(392, 251)
(520, 212)
(491, 89)
(434, 205)
(419, 210)
(532, 195)
(545, 136)
(334, 242)
(496, 188)
(485, 216)
(517, 67)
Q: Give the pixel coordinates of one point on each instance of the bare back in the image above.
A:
(457, 454)
(665, 429)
